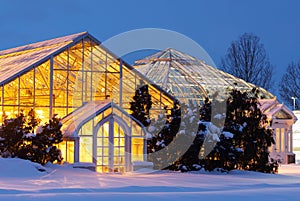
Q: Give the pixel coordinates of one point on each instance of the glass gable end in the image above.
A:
(62, 75)
(82, 71)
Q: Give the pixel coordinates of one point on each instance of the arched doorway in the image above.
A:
(103, 134)
(111, 145)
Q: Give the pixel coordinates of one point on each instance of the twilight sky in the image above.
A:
(213, 24)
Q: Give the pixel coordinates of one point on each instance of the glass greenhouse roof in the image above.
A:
(187, 77)
(18, 60)
(57, 76)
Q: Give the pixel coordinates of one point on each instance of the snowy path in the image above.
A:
(66, 183)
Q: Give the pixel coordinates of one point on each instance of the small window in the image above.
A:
(277, 134)
(282, 140)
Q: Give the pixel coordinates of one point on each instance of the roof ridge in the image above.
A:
(40, 44)
(197, 71)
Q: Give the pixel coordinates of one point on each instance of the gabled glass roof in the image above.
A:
(187, 77)
(17, 60)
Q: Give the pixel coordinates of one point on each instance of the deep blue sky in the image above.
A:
(211, 23)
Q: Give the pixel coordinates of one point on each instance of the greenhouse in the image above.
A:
(90, 88)
(68, 76)
(188, 78)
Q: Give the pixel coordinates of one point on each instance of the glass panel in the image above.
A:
(43, 113)
(277, 133)
(87, 128)
(27, 89)
(42, 85)
(137, 149)
(98, 86)
(63, 148)
(10, 111)
(87, 54)
(87, 86)
(11, 93)
(70, 151)
(67, 149)
(60, 88)
(136, 130)
(75, 57)
(107, 112)
(60, 61)
(61, 112)
(86, 149)
(75, 89)
(282, 140)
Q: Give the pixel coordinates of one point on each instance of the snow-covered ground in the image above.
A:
(21, 180)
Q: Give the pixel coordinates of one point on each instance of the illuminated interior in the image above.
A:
(106, 135)
(59, 76)
(91, 90)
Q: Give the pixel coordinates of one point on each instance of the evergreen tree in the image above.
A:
(245, 138)
(141, 105)
(12, 134)
(163, 135)
(19, 140)
(44, 142)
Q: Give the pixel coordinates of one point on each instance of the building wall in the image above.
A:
(296, 136)
(82, 72)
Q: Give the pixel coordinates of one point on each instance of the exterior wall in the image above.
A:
(111, 140)
(283, 138)
(296, 136)
(82, 72)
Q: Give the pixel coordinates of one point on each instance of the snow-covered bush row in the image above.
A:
(19, 139)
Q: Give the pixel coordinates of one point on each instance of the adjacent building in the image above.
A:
(187, 77)
(296, 136)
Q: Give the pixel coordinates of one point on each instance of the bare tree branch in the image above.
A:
(246, 58)
(290, 85)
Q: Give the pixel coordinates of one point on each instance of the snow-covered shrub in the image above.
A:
(245, 138)
(19, 140)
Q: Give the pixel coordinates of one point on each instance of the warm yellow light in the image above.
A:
(39, 112)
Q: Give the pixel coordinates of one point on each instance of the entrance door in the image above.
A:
(110, 152)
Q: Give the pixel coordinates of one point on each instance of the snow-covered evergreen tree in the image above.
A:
(246, 137)
(252, 135)
(11, 134)
(19, 140)
(164, 135)
(141, 105)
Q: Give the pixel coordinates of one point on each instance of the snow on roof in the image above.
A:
(17, 60)
(267, 104)
(87, 111)
(42, 44)
(271, 106)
